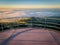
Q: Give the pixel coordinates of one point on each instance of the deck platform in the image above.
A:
(30, 36)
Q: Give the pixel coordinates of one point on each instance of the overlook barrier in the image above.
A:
(34, 22)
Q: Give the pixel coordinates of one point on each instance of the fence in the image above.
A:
(51, 23)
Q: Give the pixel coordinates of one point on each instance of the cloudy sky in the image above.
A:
(29, 3)
(26, 13)
(8, 4)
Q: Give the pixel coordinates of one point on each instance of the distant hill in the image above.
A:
(55, 16)
(12, 20)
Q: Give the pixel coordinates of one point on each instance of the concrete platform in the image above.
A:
(30, 36)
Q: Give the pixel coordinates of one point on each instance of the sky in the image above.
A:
(29, 3)
(13, 4)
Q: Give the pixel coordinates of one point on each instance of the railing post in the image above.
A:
(31, 23)
(45, 22)
(2, 27)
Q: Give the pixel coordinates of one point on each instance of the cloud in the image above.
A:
(10, 13)
(44, 14)
(18, 14)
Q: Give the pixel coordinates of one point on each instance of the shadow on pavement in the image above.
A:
(5, 42)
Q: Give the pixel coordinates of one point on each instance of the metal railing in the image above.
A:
(53, 23)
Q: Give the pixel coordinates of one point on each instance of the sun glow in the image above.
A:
(29, 6)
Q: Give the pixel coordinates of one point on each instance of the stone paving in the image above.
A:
(30, 36)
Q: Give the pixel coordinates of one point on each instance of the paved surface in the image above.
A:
(30, 36)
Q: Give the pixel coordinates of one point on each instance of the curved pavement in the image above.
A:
(30, 36)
